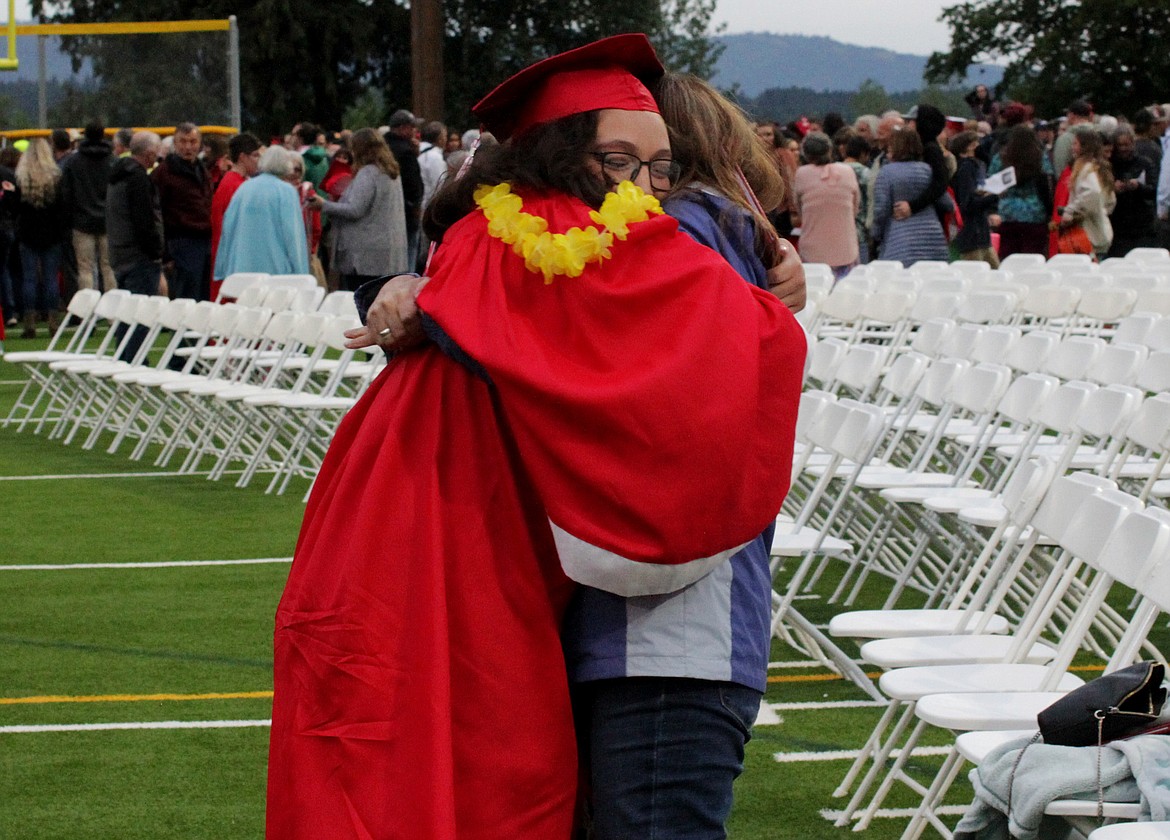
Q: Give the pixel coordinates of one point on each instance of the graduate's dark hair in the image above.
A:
(548, 156)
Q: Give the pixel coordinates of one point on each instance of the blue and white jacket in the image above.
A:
(717, 628)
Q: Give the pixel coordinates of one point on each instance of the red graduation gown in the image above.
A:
(646, 408)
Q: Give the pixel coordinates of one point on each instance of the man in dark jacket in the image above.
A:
(134, 225)
(403, 139)
(84, 177)
(184, 191)
(1135, 181)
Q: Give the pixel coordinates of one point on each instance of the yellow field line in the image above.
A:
(794, 678)
(134, 698)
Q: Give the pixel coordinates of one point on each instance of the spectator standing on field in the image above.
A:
(134, 222)
(184, 191)
(84, 177)
(244, 154)
(403, 140)
(41, 227)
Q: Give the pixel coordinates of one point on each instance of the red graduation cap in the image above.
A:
(610, 73)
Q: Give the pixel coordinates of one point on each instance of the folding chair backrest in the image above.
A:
(234, 284)
(824, 358)
(1150, 256)
(1118, 363)
(987, 307)
(994, 343)
(279, 297)
(1031, 352)
(1020, 262)
(1026, 488)
(1065, 495)
(1075, 261)
(338, 303)
(861, 367)
(296, 281)
(81, 314)
(1107, 305)
(905, 372)
(1049, 302)
(1059, 412)
(1136, 548)
(980, 388)
(1158, 338)
(932, 335)
(931, 303)
(1108, 411)
(1154, 300)
(1096, 519)
(961, 341)
(1035, 277)
(307, 300)
(858, 435)
(935, 387)
(175, 313)
(1024, 394)
(1133, 329)
(253, 295)
(887, 306)
(1072, 358)
(1154, 375)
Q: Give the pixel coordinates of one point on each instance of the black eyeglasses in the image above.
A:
(623, 166)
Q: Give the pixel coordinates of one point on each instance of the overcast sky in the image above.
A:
(907, 26)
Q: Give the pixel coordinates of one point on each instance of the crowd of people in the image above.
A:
(176, 215)
(1083, 183)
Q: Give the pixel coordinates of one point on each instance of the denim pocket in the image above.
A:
(742, 704)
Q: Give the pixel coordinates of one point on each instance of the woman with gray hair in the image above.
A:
(828, 196)
(263, 230)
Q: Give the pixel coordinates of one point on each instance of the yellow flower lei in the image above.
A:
(563, 253)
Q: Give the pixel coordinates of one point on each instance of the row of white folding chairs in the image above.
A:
(256, 348)
(1103, 535)
(954, 424)
(856, 369)
(892, 315)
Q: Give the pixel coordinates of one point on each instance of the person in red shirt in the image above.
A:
(244, 153)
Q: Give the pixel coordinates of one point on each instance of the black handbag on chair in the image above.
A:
(1111, 706)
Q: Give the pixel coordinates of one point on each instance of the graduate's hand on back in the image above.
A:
(786, 278)
(394, 309)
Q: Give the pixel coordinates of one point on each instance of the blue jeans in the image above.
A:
(661, 754)
(192, 263)
(44, 264)
(140, 279)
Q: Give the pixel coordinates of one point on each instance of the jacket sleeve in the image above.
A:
(937, 187)
(355, 202)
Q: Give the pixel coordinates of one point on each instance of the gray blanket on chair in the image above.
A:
(1133, 770)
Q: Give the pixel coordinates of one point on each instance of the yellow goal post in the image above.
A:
(157, 27)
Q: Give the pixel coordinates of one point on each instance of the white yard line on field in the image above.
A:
(149, 724)
(846, 755)
(76, 476)
(897, 813)
(162, 564)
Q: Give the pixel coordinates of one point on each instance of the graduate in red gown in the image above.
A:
(600, 400)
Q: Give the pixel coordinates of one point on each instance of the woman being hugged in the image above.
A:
(547, 430)
(662, 734)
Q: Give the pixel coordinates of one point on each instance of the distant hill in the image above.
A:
(757, 61)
